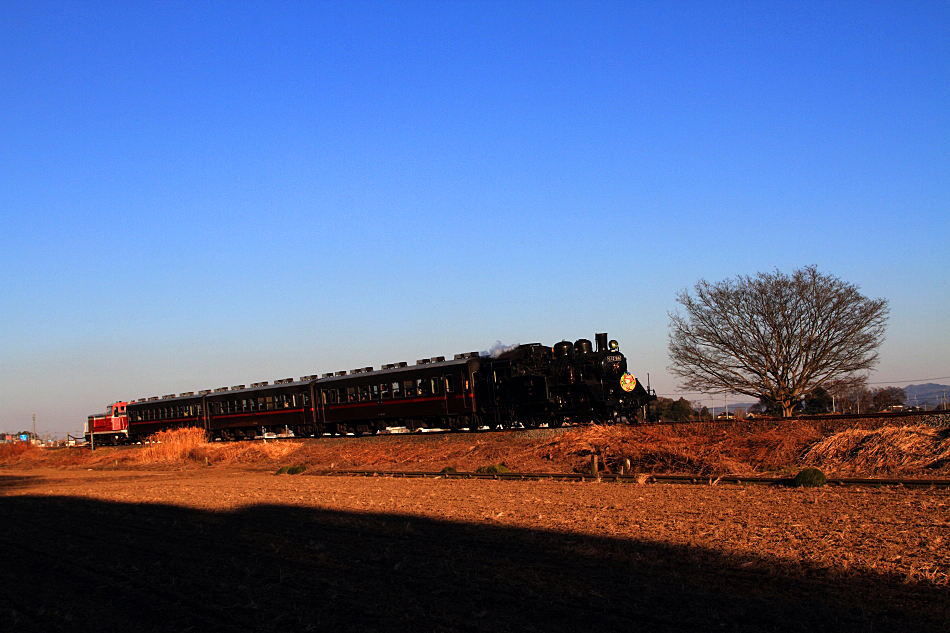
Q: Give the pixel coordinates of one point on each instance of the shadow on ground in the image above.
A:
(72, 565)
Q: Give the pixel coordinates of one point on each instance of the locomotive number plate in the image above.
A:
(615, 359)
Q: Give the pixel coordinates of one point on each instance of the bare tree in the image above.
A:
(774, 336)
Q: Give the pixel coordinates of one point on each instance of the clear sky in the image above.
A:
(201, 194)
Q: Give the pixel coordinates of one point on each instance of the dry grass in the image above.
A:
(191, 445)
(772, 447)
(885, 451)
(14, 451)
(172, 446)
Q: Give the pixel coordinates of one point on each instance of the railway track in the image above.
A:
(641, 478)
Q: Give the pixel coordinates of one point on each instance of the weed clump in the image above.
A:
(174, 445)
(810, 478)
(290, 470)
(493, 469)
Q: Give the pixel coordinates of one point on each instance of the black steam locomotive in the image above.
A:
(521, 387)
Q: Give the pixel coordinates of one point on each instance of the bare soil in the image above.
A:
(236, 549)
(186, 535)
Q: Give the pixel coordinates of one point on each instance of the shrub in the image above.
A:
(448, 470)
(492, 469)
(810, 478)
(290, 470)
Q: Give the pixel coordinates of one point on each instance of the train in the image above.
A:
(523, 386)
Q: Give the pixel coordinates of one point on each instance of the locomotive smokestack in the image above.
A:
(601, 342)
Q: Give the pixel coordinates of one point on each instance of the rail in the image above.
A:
(641, 478)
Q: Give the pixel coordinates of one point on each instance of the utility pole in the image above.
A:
(33, 441)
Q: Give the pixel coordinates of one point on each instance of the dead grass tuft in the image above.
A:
(885, 451)
(13, 452)
(175, 445)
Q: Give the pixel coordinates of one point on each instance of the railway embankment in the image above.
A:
(905, 445)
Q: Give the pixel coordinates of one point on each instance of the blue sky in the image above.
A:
(196, 194)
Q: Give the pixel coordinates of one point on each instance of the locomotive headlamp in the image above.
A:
(614, 346)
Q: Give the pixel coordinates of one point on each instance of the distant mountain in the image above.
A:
(930, 393)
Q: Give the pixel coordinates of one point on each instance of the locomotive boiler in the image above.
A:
(533, 385)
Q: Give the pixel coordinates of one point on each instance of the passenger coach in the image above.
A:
(434, 393)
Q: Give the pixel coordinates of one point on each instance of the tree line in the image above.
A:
(855, 400)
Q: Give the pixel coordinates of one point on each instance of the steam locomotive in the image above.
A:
(525, 386)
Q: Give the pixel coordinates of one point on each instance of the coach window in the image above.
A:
(422, 386)
(364, 392)
(306, 399)
(408, 388)
(270, 403)
(351, 394)
(450, 384)
(341, 395)
(374, 391)
(397, 390)
(384, 391)
(434, 385)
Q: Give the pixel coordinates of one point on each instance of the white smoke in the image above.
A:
(497, 349)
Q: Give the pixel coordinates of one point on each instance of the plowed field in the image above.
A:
(237, 549)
